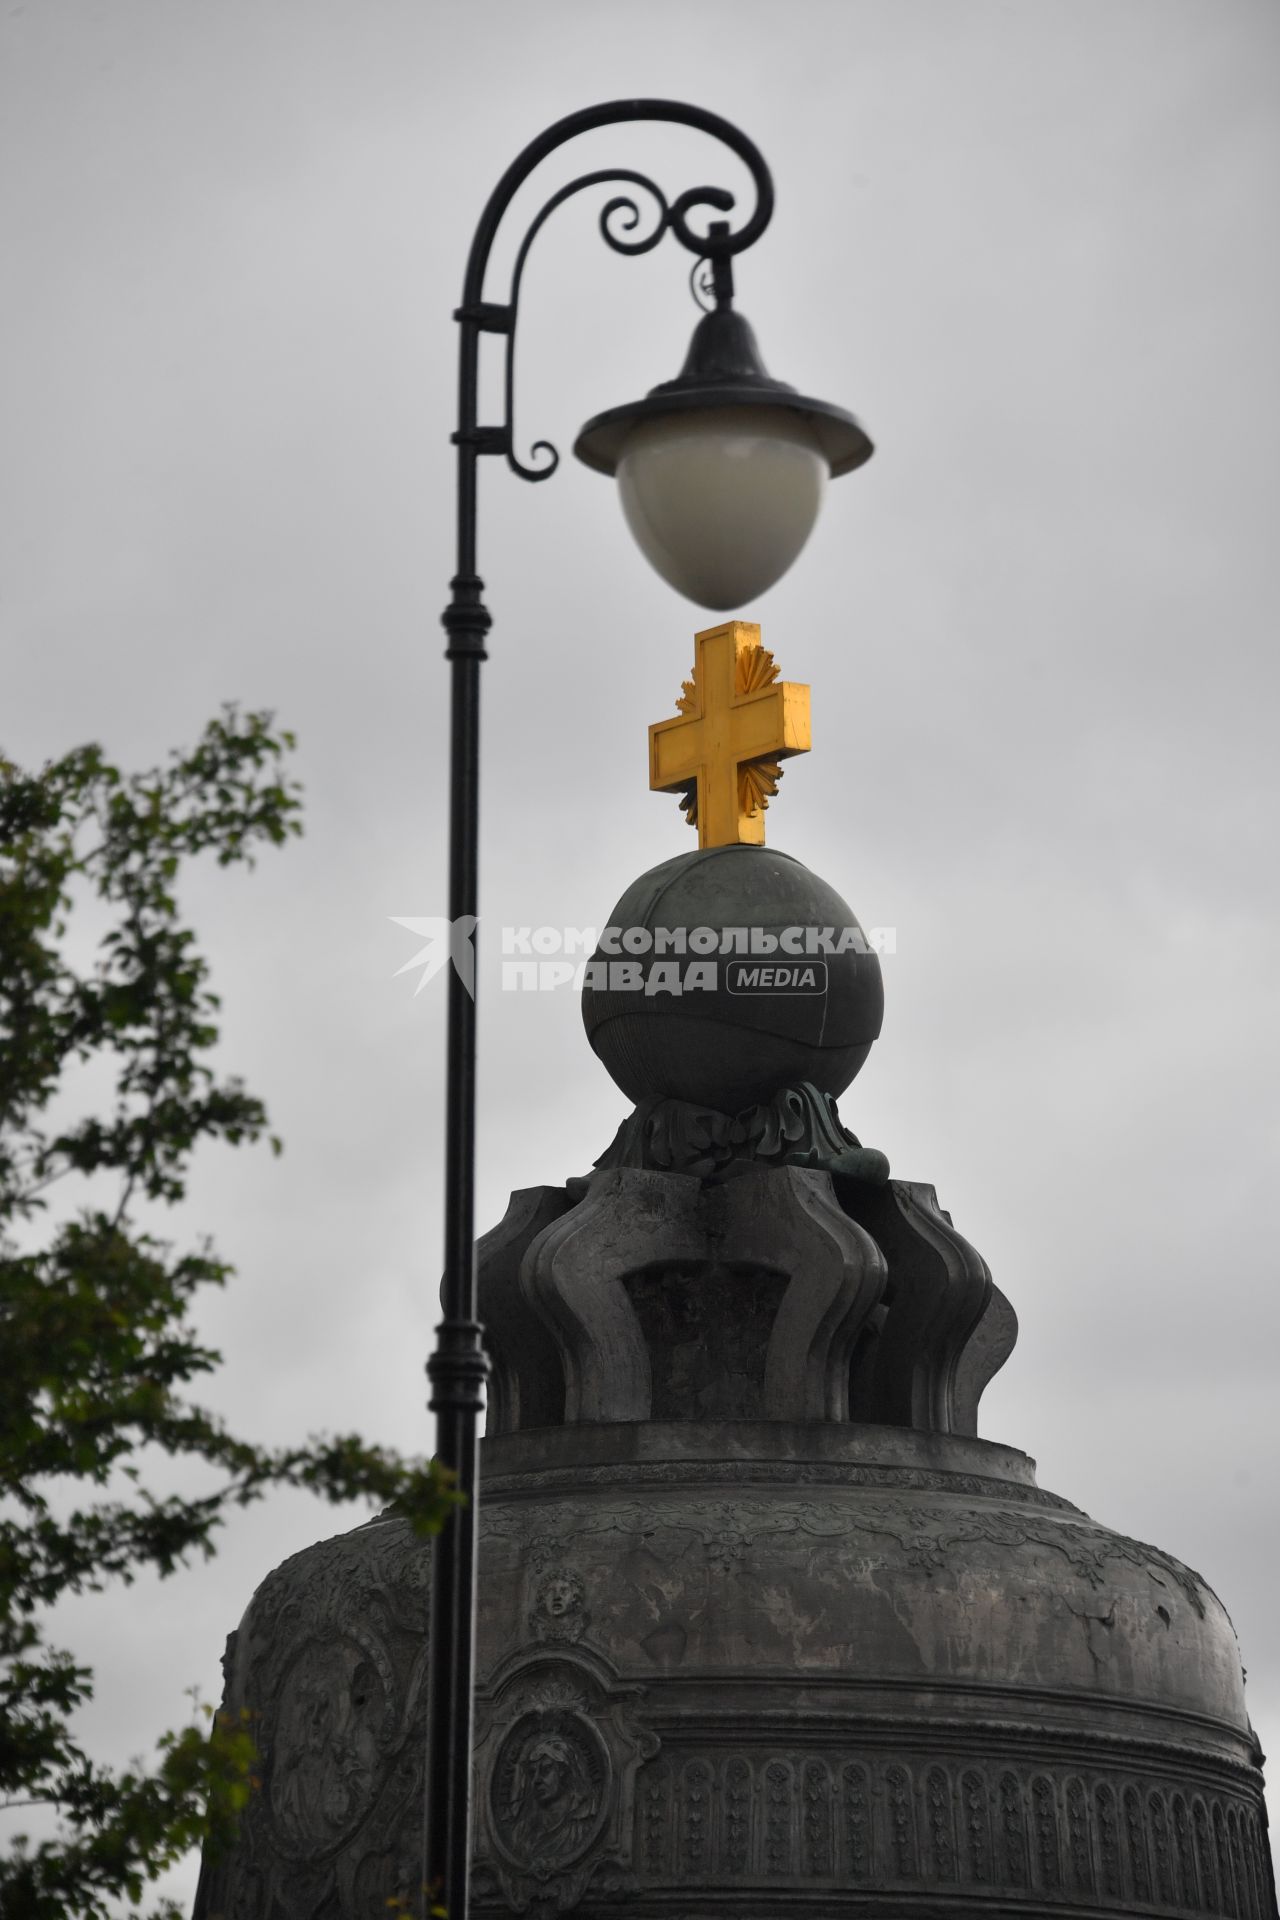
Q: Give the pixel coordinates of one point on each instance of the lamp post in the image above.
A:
(721, 472)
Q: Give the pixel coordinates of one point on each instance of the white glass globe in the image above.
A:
(721, 500)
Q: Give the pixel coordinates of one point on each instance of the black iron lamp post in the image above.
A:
(721, 473)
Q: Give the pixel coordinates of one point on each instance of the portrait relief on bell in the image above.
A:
(549, 1790)
(559, 1607)
(330, 1742)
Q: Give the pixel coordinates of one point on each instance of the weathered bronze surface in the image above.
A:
(713, 1044)
(764, 1628)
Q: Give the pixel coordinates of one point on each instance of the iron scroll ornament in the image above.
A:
(457, 1368)
(618, 218)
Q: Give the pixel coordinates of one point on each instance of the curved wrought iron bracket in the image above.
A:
(620, 204)
(619, 219)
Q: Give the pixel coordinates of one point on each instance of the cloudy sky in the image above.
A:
(1034, 247)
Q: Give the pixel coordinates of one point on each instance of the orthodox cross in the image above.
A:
(736, 721)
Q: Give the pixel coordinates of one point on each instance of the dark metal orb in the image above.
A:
(734, 1045)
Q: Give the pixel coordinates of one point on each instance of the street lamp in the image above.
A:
(721, 473)
(722, 470)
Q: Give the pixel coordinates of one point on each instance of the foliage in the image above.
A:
(94, 1308)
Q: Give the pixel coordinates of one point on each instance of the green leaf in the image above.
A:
(100, 1346)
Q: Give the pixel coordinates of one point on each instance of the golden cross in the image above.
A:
(736, 720)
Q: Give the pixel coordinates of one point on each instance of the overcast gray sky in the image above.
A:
(1034, 246)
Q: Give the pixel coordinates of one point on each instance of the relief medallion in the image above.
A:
(333, 1725)
(549, 1791)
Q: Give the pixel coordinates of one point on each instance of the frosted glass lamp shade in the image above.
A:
(722, 470)
(720, 502)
